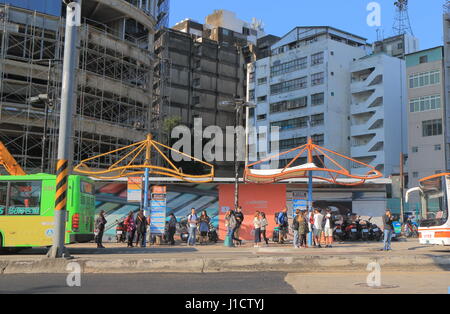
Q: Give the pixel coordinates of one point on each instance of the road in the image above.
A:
(234, 283)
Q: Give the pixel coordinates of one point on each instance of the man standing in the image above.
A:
(192, 221)
(328, 228)
(295, 227)
(239, 220)
(100, 224)
(387, 222)
(318, 219)
(141, 228)
(172, 228)
(283, 225)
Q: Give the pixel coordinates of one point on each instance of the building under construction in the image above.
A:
(114, 79)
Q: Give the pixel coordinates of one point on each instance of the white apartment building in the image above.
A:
(306, 81)
(378, 112)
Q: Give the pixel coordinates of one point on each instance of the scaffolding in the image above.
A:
(114, 88)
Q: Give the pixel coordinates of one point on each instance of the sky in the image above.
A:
(279, 17)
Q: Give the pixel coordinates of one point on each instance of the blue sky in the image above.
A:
(281, 16)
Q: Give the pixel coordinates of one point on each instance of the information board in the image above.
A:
(158, 214)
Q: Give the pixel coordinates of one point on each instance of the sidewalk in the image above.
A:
(116, 258)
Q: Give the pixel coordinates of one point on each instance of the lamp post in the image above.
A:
(238, 104)
(42, 101)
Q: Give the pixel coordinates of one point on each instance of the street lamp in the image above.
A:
(238, 104)
(42, 101)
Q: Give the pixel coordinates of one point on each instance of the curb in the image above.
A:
(297, 264)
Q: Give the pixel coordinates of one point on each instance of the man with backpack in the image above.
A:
(283, 225)
(295, 227)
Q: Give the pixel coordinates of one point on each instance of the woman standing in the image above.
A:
(204, 227)
(130, 226)
(302, 228)
(264, 225)
(100, 223)
(257, 226)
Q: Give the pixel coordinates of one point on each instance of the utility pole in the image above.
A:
(402, 188)
(73, 21)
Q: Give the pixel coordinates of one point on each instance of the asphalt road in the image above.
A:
(234, 283)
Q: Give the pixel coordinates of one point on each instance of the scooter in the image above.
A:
(120, 232)
(365, 229)
(212, 233)
(339, 232)
(352, 231)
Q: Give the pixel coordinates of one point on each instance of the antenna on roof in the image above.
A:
(402, 24)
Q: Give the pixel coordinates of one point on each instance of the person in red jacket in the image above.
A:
(130, 226)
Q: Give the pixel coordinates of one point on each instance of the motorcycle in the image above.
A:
(365, 229)
(375, 232)
(352, 231)
(339, 232)
(120, 232)
(212, 233)
(184, 233)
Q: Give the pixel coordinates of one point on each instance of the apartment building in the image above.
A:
(303, 88)
(378, 113)
(426, 114)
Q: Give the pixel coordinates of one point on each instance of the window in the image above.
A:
(415, 149)
(295, 123)
(424, 79)
(25, 198)
(195, 100)
(262, 81)
(317, 99)
(317, 119)
(317, 79)
(286, 105)
(415, 174)
(437, 147)
(288, 86)
(292, 143)
(261, 117)
(3, 193)
(252, 77)
(423, 59)
(251, 94)
(425, 103)
(197, 64)
(317, 58)
(196, 82)
(432, 127)
(87, 188)
(262, 99)
(287, 67)
(318, 139)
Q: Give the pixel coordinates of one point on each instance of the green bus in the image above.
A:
(27, 210)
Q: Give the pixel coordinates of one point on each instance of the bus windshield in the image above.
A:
(434, 205)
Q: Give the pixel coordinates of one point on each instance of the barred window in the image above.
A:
(432, 127)
(286, 105)
(317, 99)
(318, 139)
(288, 86)
(317, 58)
(301, 122)
(317, 79)
(425, 103)
(288, 67)
(317, 119)
(292, 143)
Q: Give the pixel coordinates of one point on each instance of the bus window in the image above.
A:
(3, 193)
(87, 187)
(25, 198)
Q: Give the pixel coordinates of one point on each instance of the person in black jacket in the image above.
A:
(141, 228)
(172, 228)
(388, 219)
(100, 224)
(239, 220)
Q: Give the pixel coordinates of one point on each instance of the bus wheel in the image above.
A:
(1, 244)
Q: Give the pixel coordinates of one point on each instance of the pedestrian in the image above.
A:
(303, 229)
(100, 224)
(318, 219)
(295, 229)
(328, 226)
(264, 224)
(388, 228)
(257, 226)
(204, 227)
(171, 228)
(239, 220)
(192, 222)
(283, 225)
(130, 226)
(230, 224)
(141, 228)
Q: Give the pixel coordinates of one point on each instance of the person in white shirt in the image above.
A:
(257, 226)
(328, 228)
(318, 219)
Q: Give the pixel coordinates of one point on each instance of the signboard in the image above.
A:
(158, 212)
(134, 189)
(158, 189)
(299, 203)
